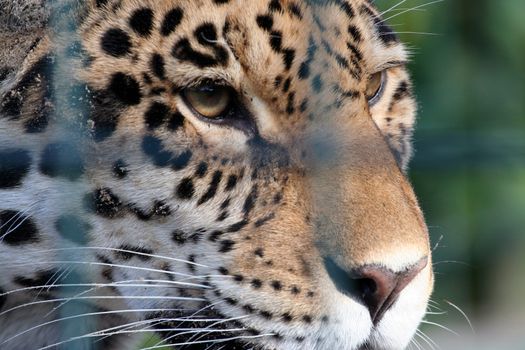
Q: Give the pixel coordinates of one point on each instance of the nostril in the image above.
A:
(375, 286)
(342, 279)
(366, 287)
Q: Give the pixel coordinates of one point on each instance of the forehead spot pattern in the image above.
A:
(125, 88)
(116, 42)
(141, 21)
(171, 21)
(157, 66)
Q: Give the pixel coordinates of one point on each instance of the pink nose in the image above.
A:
(376, 287)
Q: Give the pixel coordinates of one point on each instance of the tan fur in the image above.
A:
(322, 176)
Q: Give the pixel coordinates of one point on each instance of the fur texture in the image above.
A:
(274, 226)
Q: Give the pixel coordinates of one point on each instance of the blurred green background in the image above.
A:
(469, 167)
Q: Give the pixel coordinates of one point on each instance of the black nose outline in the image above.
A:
(375, 286)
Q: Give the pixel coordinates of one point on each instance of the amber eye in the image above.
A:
(210, 101)
(375, 86)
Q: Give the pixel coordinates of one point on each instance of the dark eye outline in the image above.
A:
(235, 115)
(375, 99)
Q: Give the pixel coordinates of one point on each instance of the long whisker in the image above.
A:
(412, 9)
(416, 344)
(451, 262)
(426, 339)
(436, 313)
(193, 315)
(82, 316)
(440, 326)
(434, 305)
(63, 276)
(462, 313)
(416, 33)
(89, 335)
(204, 330)
(214, 341)
(15, 219)
(18, 215)
(103, 297)
(97, 263)
(213, 325)
(185, 319)
(102, 333)
(72, 298)
(48, 282)
(118, 250)
(173, 284)
(437, 243)
(153, 322)
(392, 8)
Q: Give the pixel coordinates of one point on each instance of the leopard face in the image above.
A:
(229, 173)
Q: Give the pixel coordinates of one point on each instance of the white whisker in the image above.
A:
(204, 330)
(98, 334)
(440, 326)
(416, 33)
(412, 9)
(214, 340)
(462, 313)
(437, 243)
(162, 257)
(416, 344)
(392, 8)
(451, 262)
(436, 313)
(15, 218)
(103, 297)
(97, 263)
(85, 315)
(426, 339)
(48, 282)
(145, 283)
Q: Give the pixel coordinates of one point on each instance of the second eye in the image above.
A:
(375, 87)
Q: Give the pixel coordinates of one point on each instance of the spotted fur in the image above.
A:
(119, 204)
